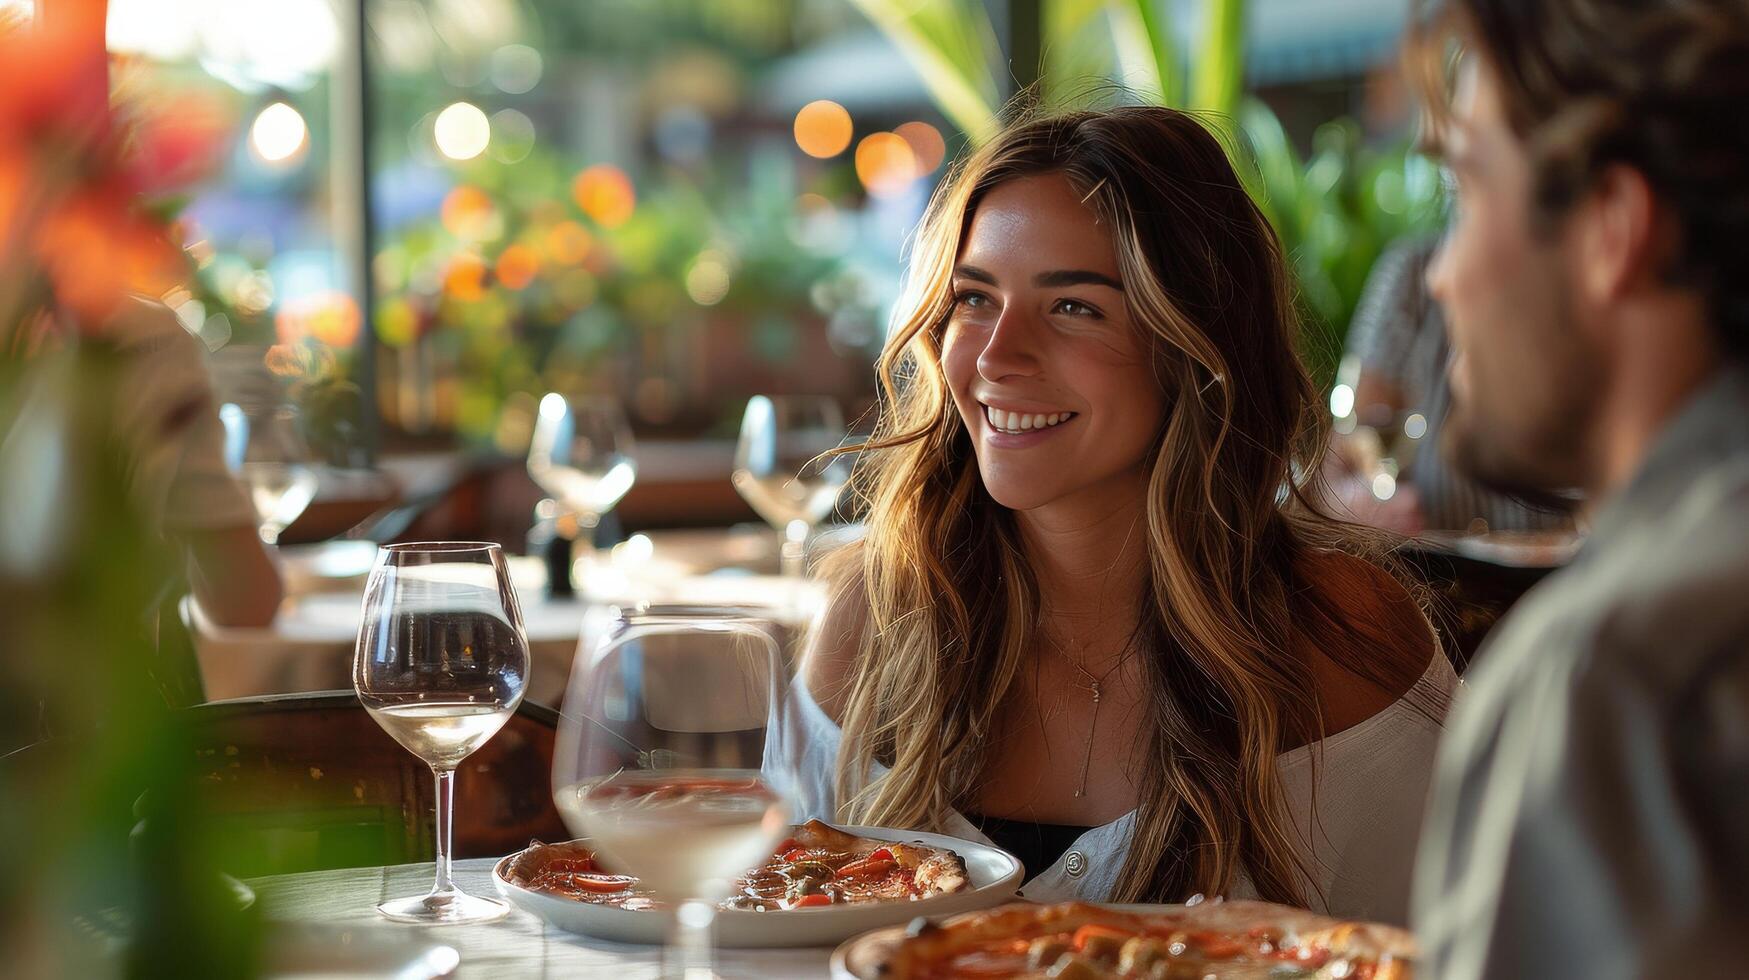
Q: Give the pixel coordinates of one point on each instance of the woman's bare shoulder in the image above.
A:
(828, 661)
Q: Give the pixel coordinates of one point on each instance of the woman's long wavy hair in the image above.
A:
(953, 605)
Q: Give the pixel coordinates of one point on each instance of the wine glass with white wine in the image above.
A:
(265, 450)
(668, 760)
(581, 454)
(782, 470)
(441, 664)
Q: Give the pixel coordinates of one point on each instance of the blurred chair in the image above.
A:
(1469, 596)
(309, 781)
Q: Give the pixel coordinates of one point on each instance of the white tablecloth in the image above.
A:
(521, 945)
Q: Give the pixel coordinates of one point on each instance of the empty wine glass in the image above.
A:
(265, 450)
(661, 761)
(581, 454)
(442, 663)
(781, 471)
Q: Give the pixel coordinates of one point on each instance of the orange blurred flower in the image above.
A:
(517, 266)
(605, 194)
(567, 243)
(468, 212)
(465, 279)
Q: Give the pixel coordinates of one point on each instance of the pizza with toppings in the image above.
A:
(816, 866)
(1075, 941)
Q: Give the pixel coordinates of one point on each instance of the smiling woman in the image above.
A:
(1093, 617)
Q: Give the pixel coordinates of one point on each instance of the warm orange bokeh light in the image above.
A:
(330, 317)
(605, 194)
(885, 164)
(926, 145)
(467, 212)
(517, 266)
(567, 243)
(823, 129)
(465, 279)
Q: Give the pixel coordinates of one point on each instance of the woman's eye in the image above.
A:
(971, 300)
(1074, 307)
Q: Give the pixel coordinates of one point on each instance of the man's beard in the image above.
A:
(1546, 472)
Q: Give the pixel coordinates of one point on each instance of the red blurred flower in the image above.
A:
(71, 215)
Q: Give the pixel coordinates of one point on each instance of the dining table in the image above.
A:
(327, 925)
(309, 645)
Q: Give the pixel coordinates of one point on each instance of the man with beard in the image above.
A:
(1590, 816)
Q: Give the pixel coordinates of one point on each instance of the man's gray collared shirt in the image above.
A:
(1590, 813)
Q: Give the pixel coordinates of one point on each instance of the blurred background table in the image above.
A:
(310, 644)
(520, 945)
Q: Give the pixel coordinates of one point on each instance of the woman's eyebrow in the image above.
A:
(1076, 277)
(973, 272)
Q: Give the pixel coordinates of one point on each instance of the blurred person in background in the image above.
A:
(173, 442)
(1590, 816)
(1401, 397)
(170, 425)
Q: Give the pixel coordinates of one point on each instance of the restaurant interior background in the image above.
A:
(409, 220)
(678, 203)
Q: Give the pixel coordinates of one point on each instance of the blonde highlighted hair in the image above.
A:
(1230, 604)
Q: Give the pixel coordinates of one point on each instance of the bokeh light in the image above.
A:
(278, 135)
(707, 281)
(823, 129)
(516, 68)
(468, 213)
(465, 279)
(397, 322)
(512, 136)
(605, 194)
(329, 316)
(885, 164)
(1342, 401)
(517, 266)
(926, 145)
(462, 131)
(567, 243)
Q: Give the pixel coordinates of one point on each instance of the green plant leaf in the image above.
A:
(952, 45)
(1141, 36)
(1076, 50)
(1219, 73)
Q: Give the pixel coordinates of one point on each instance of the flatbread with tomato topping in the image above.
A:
(816, 866)
(1076, 941)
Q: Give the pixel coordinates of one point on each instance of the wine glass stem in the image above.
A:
(444, 885)
(689, 944)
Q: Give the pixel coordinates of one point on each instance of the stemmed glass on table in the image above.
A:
(265, 450)
(581, 454)
(781, 468)
(441, 664)
(662, 761)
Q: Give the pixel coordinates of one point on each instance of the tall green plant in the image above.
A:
(953, 46)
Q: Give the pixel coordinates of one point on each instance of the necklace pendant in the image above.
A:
(1080, 793)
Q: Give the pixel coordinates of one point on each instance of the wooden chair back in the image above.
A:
(304, 782)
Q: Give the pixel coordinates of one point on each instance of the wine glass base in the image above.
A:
(442, 910)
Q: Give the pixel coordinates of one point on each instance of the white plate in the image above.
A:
(994, 874)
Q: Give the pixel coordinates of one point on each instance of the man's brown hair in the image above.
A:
(1661, 86)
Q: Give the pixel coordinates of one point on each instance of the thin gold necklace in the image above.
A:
(1095, 686)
